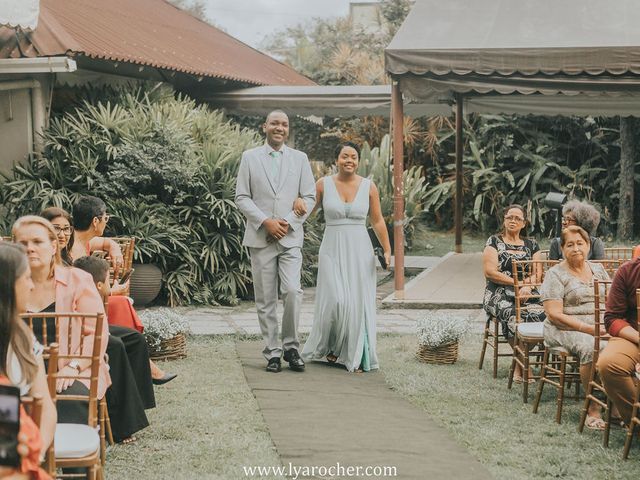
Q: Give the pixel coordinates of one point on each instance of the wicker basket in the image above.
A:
(445, 354)
(171, 349)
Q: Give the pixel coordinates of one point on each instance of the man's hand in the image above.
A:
(276, 228)
(299, 207)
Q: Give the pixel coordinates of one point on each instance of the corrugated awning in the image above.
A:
(150, 33)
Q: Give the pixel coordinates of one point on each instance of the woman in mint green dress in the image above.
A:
(344, 327)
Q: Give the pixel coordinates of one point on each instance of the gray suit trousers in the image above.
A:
(270, 266)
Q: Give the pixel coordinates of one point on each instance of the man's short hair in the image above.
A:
(276, 110)
(85, 210)
(97, 267)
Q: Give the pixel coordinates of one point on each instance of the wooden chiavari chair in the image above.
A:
(610, 265)
(528, 335)
(5, 239)
(559, 369)
(127, 245)
(76, 445)
(618, 253)
(492, 338)
(635, 418)
(595, 390)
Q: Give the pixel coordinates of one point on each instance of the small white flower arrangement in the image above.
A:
(162, 324)
(436, 329)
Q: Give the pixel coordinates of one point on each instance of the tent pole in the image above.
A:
(459, 152)
(398, 197)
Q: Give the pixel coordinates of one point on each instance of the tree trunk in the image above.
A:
(628, 155)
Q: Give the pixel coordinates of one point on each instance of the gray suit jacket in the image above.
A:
(259, 197)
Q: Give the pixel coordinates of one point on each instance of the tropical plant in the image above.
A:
(166, 169)
(376, 164)
(512, 159)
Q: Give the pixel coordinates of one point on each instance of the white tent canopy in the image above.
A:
(19, 13)
(333, 101)
(584, 55)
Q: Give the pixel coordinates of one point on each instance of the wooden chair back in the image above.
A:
(33, 406)
(544, 254)
(611, 265)
(618, 253)
(50, 356)
(127, 245)
(530, 274)
(5, 239)
(85, 325)
(600, 293)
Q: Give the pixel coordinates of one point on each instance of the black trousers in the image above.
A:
(126, 408)
(138, 353)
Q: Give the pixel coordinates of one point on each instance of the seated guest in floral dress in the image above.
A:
(499, 253)
(584, 215)
(568, 298)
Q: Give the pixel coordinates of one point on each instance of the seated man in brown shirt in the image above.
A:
(618, 360)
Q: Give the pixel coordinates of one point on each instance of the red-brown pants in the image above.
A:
(616, 365)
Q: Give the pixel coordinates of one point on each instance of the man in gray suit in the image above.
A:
(270, 179)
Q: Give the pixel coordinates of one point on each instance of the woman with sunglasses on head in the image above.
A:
(21, 362)
(585, 216)
(498, 256)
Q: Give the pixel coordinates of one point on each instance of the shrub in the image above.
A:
(166, 169)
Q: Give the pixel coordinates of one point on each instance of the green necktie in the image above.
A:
(275, 165)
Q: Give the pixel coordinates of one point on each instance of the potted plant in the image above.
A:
(166, 333)
(438, 337)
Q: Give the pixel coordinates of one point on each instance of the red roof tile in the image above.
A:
(147, 32)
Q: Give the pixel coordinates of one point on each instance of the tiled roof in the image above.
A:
(146, 32)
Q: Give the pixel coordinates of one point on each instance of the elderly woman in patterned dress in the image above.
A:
(499, 253)
(568, 298)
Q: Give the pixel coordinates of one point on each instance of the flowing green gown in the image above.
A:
(345, 308)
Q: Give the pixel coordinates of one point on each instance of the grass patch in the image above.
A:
(494, 424)
(206, 425)
(436, 243)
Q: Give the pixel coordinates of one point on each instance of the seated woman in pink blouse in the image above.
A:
(62, 289)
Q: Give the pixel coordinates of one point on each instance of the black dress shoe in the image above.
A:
(274, 365)
(166, 378)
(295, 362)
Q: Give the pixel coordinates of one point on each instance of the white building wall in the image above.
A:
(16, 132)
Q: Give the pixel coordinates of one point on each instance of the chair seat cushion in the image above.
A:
(74, 440)
(532, 329)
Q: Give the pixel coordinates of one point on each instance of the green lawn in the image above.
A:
(494, 424)
(207, 424)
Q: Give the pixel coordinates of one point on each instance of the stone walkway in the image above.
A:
(243, 319)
